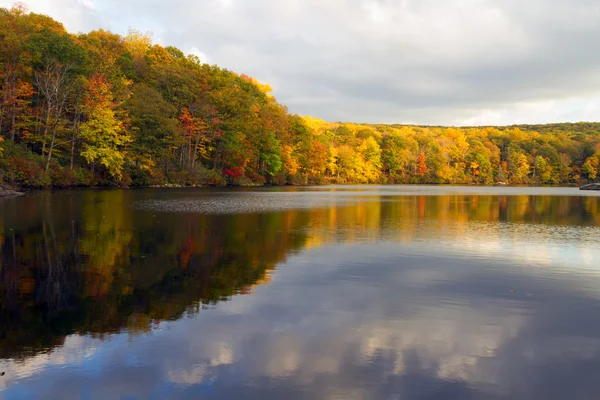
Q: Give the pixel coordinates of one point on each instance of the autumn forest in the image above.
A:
(100, 109)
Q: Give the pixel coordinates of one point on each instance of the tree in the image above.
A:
(104, 135)
(138, 45)
(195, 138)
(350, 165)
(53, 83)
(544, 170)
(371, 153)
(121, 107)
(14, 66)
(518, 164)
(153, 126)
(397, 154)
(591, 167)
(422, 169)
(270, 156)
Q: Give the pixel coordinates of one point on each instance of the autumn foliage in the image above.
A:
(234, 173)
(102, 109)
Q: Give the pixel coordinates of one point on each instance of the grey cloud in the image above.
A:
(426, 61)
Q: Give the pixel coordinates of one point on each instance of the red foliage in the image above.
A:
(234, 173)
(26, 173)
(246, 78)
(187, 122)
(422, 165)
(98, 94)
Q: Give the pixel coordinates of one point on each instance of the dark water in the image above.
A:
(314, 293)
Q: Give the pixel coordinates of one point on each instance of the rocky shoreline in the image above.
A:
(8, 193)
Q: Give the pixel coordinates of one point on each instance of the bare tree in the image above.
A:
(53, 83)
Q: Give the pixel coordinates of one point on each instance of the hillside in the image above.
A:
(99, 109)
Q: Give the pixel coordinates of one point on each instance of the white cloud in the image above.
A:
(201, 55)
(375, 12)
(542, 111)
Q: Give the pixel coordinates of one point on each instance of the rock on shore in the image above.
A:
(6, 193)
(592, 186)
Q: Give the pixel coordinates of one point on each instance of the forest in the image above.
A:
(100, 109)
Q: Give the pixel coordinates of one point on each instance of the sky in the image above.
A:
(437, 62)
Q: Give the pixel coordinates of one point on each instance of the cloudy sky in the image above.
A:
(459, 62)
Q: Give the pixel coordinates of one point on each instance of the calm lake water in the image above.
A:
(350, 292)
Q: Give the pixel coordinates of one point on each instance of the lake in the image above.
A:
(334, 292)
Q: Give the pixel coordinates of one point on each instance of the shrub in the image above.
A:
(146, 177)
(62, 177)
(316, 180)
(280, 180)
(245, 181)
(178, 178)
(251, 178)
(26, 173)
(209, 177)
(85, 178)
(298, 179)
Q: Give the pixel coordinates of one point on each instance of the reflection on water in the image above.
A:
(336, 293)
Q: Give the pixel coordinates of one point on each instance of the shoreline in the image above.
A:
(20, 191)
(9, 193)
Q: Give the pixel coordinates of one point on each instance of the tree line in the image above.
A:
(100, 109)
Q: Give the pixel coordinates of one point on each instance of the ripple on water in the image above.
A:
(245, 203)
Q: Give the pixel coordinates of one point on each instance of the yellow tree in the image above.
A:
(371, 154)
(591, 167)
(104, 135)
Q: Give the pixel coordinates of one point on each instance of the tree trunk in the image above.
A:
(215, 158)
(49, 108)
(12, 89)
(2, 110)
(8, 71)
(54, 127)
(74, 135)
(13, 108)
(12, 124)
(195, 150)
(51, 145)
(189, 152)
(72, 151)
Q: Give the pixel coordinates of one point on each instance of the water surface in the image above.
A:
(348, 292)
